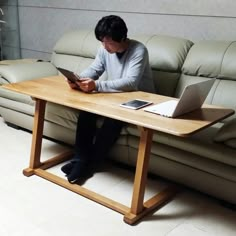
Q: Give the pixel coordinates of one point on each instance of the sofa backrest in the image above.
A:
(212, 59)
(167, 55)
(75, 50)
(175, 62)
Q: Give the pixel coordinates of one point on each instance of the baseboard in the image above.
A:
(13, 126)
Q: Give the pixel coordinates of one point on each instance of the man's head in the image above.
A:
(112, 32)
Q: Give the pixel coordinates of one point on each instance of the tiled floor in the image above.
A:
(33, 206)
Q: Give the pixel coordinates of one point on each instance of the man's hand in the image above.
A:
(72, 85)
(87, 85)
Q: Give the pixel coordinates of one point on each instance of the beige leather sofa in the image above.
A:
(206, 161)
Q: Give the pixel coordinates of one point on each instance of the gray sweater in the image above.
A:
(131, 72)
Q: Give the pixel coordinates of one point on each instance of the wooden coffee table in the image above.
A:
(55, 89)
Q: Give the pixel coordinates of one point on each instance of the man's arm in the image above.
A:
(89, 75)
(96, 69)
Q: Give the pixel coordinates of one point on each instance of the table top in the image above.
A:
(55, 89)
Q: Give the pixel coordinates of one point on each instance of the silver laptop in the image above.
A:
(191, 99)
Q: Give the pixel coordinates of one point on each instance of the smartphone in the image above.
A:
(71, 76)
(135, 104)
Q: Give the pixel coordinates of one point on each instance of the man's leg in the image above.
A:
(85, 132)
(107, 135)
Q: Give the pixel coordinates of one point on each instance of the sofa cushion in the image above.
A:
(166, 56)
(227, 134)
(205, 58)
(231, 143)
(14, 96)
(200, 144)
(78, 43)
(167, 53)
(64, 116)
(27, 71)
(188, 158)
(228, 68)
(212, 59)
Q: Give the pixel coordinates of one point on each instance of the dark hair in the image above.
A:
(111, 26)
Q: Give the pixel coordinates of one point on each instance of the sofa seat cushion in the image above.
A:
(61, 115)
(16, 97)
(16, 106)
(201, 144)
(67, 117)
(16, 102)
(190, 159)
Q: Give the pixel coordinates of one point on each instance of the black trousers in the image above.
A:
(93, 144)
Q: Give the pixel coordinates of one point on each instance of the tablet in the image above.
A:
(135, 104)
(69, 75)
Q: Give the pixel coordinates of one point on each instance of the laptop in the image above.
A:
(191, 99)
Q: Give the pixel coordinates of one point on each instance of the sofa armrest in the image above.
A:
(27, 71)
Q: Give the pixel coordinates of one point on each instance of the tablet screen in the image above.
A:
(69, 75)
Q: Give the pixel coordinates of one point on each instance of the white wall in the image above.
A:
(43, 22)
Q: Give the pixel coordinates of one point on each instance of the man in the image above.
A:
(126, 63)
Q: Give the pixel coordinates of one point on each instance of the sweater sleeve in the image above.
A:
(96, 69)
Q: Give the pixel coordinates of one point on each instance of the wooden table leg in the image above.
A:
(141, 170)
(141, 173)
(138, 208)
(37, 137)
